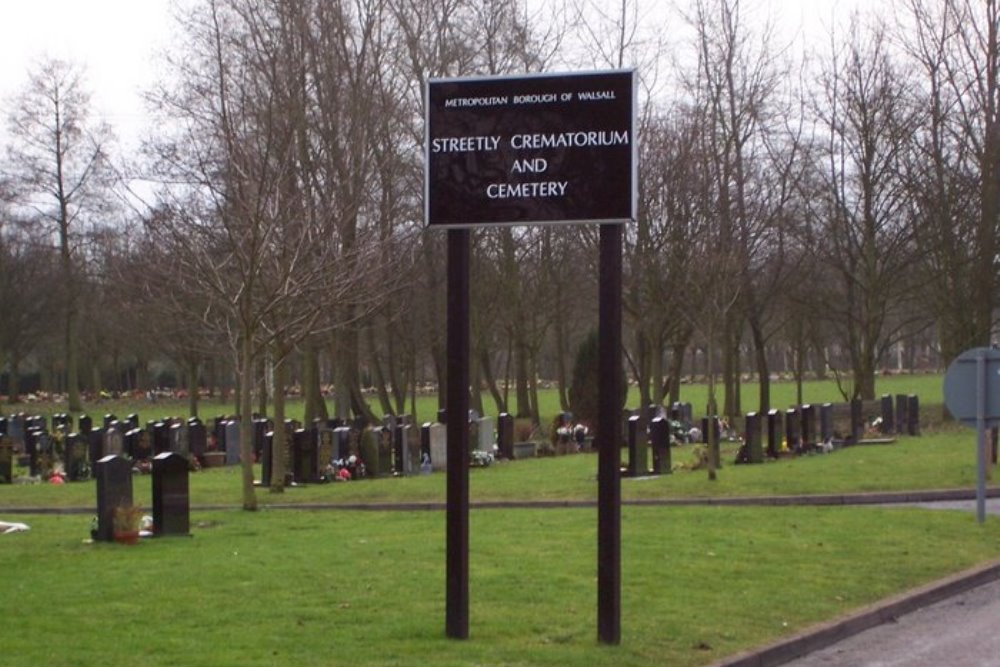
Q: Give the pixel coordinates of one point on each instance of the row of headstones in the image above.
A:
(797, 426)
(171, 501)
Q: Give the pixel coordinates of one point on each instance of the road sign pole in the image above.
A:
(981, 435)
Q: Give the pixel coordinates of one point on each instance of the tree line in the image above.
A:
(826, 207)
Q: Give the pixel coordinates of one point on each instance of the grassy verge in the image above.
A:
(360, 588)
(945, 459)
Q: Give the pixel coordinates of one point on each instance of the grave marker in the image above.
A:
(114, 489)
(659, 436)
(505, 436)
(171, 496)
(232, 431)
(6, 460)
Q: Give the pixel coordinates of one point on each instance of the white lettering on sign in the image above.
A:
(523, 190)
(536, 166)
(591, 96)
(569, 140)
(464, 144)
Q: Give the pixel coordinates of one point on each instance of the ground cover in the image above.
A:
(942, 459)
(367, 588)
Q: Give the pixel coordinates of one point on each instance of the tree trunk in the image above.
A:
(312, 391)
(192, 387)
(279, 446)
(246, 426)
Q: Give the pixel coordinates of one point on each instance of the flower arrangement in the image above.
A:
(126, 518)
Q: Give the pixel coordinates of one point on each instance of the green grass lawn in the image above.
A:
(367, 588)
(942, 459)
(342, 587)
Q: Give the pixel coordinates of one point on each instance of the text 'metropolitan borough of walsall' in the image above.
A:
(548, 149)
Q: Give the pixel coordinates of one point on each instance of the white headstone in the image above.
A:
(439, 447)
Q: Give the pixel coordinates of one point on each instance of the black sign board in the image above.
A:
(531, 149)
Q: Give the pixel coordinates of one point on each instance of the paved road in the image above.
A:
(958, 632)
(962, 631)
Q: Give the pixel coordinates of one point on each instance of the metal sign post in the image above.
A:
(972, 395)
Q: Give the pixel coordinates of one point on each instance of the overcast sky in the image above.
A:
(117, 40)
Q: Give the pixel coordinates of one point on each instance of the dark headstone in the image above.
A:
(197, 438)
(131, 440)
(171, 497)
(86, 424)
(233, 443)
(179, 439)
(636, 447)
(3, 426)
(901, 417)
(505, 436)
(324, 447)
(260, 429)
(266, 459)
(17, 429)
(108, 418)
(114, 442)
(807, 425)
(857, 420)
(161, 438)
(114, 489)
(659, 437)
(751, 438)
(826, 422)
(132, 421)
(792, 437)
(887, 427)
(912, 415)
(143, 445)
(385, 442)
(304, 461)
(95, 445)
(773, 433)
(341, 443)
(32, 448)
(6, 460)
(75, 457)
(401, 462)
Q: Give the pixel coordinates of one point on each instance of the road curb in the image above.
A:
(822, 635)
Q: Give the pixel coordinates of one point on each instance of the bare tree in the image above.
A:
(59, 169)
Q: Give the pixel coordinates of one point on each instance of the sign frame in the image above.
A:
(501, 111)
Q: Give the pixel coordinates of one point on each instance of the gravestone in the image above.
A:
(385, 442)
(132, 421)
(6, 460)
(659, 437)
(752, 441)
(304, 456)
(108, 419)
(161, 438)
(114, 488)
(901, 417)
(75, 457)
(197, 439)
(95, 445)
(86, 424)
(826, 422)
(143, 444)
(324, 447)
(773, 433)
(401, 464)
(505, 436)
(792, 437)
(439, 447)
(425, 442)
(487, 435)
(131, 439)
(341, 443)
(179, 439)
(171, 496)
(61, 422)
(31, 448)
(16, 429)
(232, 431)
(807, 425)
(912, 415)
(636, 448)
(857, 420)
(3, 426)
(114, 442)
(887, 427)
(266, 458)
(260, 428)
